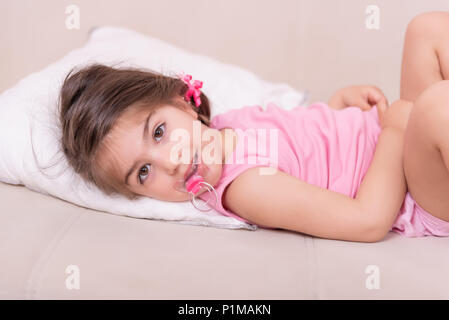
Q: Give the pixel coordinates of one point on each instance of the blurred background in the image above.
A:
(314, 45)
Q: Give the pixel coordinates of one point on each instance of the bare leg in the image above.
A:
(425, 70)
(426, 150)
(425, 57)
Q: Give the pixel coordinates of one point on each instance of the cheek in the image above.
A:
(164, 188)
(180, 139)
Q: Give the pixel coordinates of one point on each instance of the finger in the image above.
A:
(382, 105)
(374, 95)
(363, 104)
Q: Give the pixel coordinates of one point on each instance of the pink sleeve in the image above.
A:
(224, 183)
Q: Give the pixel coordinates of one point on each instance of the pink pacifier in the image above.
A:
(193, 185)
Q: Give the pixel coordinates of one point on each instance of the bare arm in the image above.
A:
(283, 201)
(384, 186)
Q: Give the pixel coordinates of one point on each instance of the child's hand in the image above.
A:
(396, 115)
(364, 97)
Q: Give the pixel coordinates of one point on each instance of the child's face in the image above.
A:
(155, 167)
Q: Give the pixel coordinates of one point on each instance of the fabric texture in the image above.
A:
(414, 221)
(322, 146)
(29, 134)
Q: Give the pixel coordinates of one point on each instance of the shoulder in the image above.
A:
(240, 196)
(234, 115)
(256, 192)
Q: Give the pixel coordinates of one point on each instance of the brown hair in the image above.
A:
(94, 97)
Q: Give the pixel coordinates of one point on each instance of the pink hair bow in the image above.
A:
(194, 89)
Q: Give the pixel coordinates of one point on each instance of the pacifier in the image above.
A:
(194, 184)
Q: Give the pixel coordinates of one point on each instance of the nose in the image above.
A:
(167, 160)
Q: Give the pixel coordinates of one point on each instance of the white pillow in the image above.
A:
(29, 120)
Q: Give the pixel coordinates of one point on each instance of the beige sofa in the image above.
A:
(317, 45)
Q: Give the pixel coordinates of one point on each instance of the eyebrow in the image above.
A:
(144, 138)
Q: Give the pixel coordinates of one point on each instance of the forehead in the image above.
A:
(126, 133)
(136, 114)
(132, 116)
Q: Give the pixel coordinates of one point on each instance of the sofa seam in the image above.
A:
(36, 273)
(311, 291)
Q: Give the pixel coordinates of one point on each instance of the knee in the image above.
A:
(431, 108)
(434, 100)
(399, 113)
(428, 23)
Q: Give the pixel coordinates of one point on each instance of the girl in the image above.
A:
(339, 170)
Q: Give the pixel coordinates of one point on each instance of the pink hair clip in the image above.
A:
(194, 89)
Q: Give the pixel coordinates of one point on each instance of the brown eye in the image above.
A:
(143, 172)
(159, 132)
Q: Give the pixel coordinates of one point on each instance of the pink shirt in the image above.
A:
(319, 145)
(322, 146)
